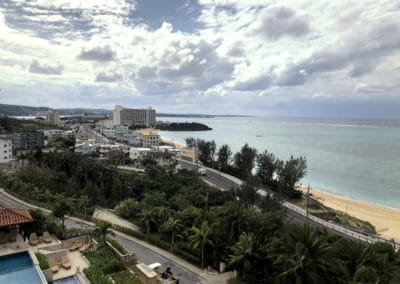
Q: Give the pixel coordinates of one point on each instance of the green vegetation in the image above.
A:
(279, 176)
(182, 126)
(99, 268)
(126, 277)
(180, 213)
(43, 263)
(117, 245)
(10, 125)
(61, 142)
(345, 219)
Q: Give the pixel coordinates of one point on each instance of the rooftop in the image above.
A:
(10, 216)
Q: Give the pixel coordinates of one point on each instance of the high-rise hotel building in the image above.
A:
(134, 116)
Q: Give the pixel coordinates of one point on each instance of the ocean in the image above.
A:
(355, 158)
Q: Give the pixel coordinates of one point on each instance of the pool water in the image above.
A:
(18, 268)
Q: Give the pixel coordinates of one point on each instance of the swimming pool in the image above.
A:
(19, 268)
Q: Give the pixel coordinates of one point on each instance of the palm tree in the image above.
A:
(200, 237)
(304, 256)
(103, 229)
(60, 209)
(243, 253)
(172, 225)
(146, 217)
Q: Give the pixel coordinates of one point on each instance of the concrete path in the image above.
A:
(108, 216)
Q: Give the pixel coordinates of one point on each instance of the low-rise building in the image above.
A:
(138, 153)
(28, 140)
(53, 133)
(149, 137)
(121, 129)
(112, 152)
(5, 150)
(108, 132)
(84, 148)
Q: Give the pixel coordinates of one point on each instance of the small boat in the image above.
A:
(259, 136)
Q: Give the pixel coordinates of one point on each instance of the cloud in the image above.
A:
(361, 49)
(108, 77)
(277, 22)
(44, 68)
(98, 53)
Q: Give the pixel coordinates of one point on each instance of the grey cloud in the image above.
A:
(236, 50)
(43, 68)
(108, 77)
(260, 82)
(98, 53)
(281, 21)
(201, 68)
(361, 50)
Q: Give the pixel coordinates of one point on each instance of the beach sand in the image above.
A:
(385, 220)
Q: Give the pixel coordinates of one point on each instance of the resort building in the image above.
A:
(28, 140)
(134, 117)
(5, 150)
(52, 117)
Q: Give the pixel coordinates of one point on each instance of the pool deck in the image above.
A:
(78, 261)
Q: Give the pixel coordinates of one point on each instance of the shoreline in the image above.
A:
(385, 219)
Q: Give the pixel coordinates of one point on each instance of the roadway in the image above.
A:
(143, 254)
(296, 214)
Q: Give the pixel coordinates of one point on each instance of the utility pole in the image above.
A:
(308, 198)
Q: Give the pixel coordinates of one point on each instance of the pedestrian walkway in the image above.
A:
(106, 215)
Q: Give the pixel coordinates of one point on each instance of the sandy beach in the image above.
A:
(385, 220)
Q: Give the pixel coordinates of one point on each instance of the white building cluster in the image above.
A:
(5, 150)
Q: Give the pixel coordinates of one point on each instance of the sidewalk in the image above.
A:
(108, 216)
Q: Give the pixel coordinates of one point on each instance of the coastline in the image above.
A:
(385, 219)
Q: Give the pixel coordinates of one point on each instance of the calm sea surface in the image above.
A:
(355, 158)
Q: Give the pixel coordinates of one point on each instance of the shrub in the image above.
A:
(43, 263)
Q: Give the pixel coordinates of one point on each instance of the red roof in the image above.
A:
(10, 216)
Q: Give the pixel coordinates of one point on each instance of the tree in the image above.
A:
(39, 220)
(173, 226)
(60, 209)
(128, 208)
(243, 254)
(244, 160)
(146, 218)
(200, 237)
(190, 142)
(290, 172)
(224, 154)
(248, 194)
(103, 229)
(268, 203)
(303, 256)
(267, 165)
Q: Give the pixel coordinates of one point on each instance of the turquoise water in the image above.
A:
(18, 268)
(354, 158)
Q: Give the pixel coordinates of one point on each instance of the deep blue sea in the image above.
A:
(354, 158)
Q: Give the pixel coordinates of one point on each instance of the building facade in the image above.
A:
(52, 117)
(28, 140)
(5, 150)
(145, 117)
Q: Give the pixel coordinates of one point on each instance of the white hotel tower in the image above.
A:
(132, 116)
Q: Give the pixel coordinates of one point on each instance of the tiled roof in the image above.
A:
(10, 216)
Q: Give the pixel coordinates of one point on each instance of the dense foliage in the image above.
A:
(179, 212)
(280, 176)
(182, 126)
(10, 125)
(99, 268)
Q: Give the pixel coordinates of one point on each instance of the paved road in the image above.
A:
(143, 254)
(295, 213)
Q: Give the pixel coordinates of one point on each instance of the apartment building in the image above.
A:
(28, 140)
(52, 117)
(5, 150)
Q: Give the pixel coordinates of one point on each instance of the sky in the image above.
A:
(267, 58)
